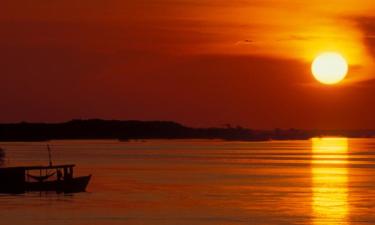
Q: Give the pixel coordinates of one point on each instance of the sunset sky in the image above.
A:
(198, 62)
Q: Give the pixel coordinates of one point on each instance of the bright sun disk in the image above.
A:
(330, 68)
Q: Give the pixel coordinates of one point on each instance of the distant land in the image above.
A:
(143, 130)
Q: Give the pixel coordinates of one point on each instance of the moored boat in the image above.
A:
(57, 178)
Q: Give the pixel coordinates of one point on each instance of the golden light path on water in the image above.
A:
(330, 181)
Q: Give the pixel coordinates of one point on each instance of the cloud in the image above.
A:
(367, 26)
(297, 37)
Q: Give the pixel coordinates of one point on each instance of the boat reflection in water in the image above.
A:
(330, 181)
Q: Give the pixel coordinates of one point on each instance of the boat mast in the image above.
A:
(49, 155)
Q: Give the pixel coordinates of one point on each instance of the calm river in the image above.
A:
(320, 181)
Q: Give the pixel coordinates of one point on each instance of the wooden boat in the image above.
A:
(57, 178)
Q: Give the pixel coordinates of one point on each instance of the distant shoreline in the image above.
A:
(96, 129)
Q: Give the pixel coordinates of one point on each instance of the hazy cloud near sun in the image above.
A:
(367, 26)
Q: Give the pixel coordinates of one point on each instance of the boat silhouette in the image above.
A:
(58, 178)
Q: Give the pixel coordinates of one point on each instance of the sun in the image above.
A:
(330, 68)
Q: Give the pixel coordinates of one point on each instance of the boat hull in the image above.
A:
(74, 185)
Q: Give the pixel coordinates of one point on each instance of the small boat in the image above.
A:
(58, 178)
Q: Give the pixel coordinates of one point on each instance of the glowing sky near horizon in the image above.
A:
(202, 63)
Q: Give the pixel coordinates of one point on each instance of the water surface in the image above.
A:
(319, 181)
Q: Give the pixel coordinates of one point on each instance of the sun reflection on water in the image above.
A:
(330, 181)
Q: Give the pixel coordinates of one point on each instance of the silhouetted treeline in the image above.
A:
(127, 130)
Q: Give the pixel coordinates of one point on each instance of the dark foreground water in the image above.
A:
(321, 181)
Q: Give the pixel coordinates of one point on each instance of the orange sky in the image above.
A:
(202, 63)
